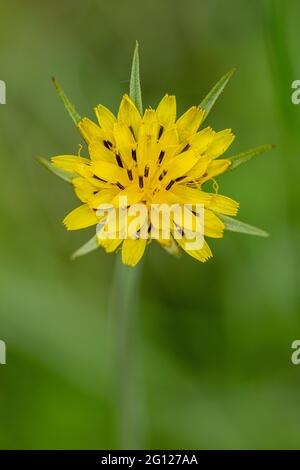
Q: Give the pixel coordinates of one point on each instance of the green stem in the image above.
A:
(124, 302)
(123, 315)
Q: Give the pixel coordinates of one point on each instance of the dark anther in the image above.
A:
(141, 182)
(100, 179)
(129, 172)
(161, 156)
(133, 153)
(146, 173)
(120, 185)
(107, 144)
(179, 229)
(119, 160)
(170, 185)
(162, 175)
(131, 130)
(185, 148)
(161, 129)
(180, 178)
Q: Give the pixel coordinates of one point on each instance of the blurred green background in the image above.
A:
(212, 342)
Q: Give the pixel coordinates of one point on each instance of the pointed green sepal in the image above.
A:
(57, 171)
(68, 105)
(244, 157)
(89, 246)
(214, 94)
(135, 91)
(235, 225)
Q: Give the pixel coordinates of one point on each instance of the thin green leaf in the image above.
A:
(89, 246)
(244, 157)
(214, 94)
(68, 105)
(57, 171)
(135, 91)
(235, 225)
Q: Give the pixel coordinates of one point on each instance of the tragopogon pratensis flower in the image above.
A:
(150, 159)
(147, 160)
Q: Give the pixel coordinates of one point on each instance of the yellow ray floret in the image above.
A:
(152, 159)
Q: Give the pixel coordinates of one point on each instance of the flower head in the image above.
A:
(146, 174)
(150, 160)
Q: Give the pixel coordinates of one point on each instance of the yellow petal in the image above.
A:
(189, 222)
(166, 111)
(169, 138)
(69, 163)
(128, 114)
(84, 170)
(109, 245)
(125, 142)
(181, 164)
(203, 254)
(90, 131)
(186, 195)
(147, 150)
(104, 196)
(73, 164)
(165, 197)
(98, 183)
(189, 122)
(133, 250)
(223, 204)
(198, 170)
(150, 123)
(105, 118)
(222, 140)
(202, 139)
(81, 217)
(215, 168)
(114, 224)
(110, 172)
(213, 226)
(84, 190)
(98, 152)
(132, 194)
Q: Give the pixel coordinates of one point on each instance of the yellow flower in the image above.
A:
(150, 159)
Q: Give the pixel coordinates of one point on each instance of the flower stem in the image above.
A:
(124, 303)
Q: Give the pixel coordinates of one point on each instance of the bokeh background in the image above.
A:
(211, 344)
